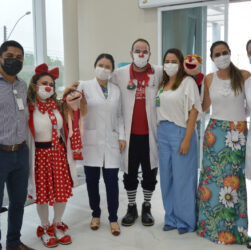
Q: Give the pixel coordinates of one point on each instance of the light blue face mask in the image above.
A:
(249, 59)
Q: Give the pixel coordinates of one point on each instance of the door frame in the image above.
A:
(185, 6)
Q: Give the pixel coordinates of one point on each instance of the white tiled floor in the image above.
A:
(136, 237)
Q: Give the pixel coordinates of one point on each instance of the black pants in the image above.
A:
(139, 154)
(14, 171)
(110, 176)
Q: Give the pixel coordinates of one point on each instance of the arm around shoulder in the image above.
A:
(246, 74)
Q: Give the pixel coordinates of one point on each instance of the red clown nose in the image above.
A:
(48, 89)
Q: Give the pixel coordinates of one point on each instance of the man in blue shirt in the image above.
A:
(14, 162)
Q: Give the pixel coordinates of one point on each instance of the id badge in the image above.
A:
(235, 135)
(157, 101)
(20, 103)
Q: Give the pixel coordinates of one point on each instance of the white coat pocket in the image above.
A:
(90, 137)
(114, 140)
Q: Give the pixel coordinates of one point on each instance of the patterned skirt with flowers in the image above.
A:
(52, 175)
(222, 198)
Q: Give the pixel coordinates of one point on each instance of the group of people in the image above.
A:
(141, 115)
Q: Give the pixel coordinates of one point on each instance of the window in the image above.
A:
(239, 33)
(22, 32)
(54, 35)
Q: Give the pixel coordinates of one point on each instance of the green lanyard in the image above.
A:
(105, 91)
(158, 99)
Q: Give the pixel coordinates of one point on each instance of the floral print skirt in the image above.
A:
(221, 197)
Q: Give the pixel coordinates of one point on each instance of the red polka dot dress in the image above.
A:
(52, 175)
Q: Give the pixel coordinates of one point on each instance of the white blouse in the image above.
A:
(43, 127)
(176, 104)
(225, 105)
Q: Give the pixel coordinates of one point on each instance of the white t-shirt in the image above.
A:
(43, 127)
(176, 104)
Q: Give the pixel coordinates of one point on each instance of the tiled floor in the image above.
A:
(137, 237)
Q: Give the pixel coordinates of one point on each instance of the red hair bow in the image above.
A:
(43, 68)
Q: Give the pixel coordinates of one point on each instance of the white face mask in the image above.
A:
(249, 59)
(140, 62)
(43, 93)
(171, 69)
(222, 62)
(102, 74)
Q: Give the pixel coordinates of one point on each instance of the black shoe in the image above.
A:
(131, 215)
(182, 230)
(249, 244)
(3, 209)
(146, 216)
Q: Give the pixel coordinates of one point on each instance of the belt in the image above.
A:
(46, 144)
(12, 148)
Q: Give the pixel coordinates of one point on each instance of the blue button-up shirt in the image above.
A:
(13, 123)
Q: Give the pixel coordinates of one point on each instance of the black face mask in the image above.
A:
(12, 66)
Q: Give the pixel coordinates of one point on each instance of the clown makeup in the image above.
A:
(46, 81)
(140, 54)
(45, 87)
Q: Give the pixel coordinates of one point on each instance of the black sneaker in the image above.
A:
(131, 215)
(249, 243)
(146, 216)
(3, 209)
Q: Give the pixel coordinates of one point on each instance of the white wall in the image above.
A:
(71, 50)
(111, 26)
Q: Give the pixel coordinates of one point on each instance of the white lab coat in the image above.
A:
(121, 77)
(103, 125)
(248, 145)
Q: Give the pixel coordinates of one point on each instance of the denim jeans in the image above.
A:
(178, 176)
(14, 171)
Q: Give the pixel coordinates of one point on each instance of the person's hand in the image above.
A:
(75, 84)
(122, 145)
(70, 133)
(81, 131)
(184, 146)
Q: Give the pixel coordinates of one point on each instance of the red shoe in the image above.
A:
(60, 232)
(47, 236)
(77, 156)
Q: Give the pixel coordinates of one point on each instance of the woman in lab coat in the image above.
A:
(104, 139)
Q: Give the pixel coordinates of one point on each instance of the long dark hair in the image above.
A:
(236, 77)
(181, 72)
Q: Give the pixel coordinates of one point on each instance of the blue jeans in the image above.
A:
(14, 171)
(110, 176)
(178, 176)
